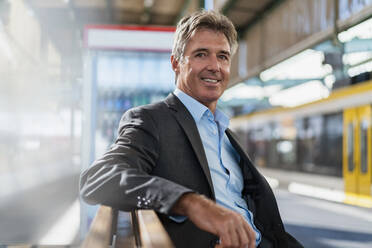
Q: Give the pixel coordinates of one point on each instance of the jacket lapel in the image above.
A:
(187, 122)
(250, 176)
(250, 173)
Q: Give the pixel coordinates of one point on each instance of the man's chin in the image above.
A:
(209, 99)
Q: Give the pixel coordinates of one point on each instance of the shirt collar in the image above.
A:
(197, 109)
(222, 119)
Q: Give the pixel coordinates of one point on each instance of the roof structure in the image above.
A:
(67, 18)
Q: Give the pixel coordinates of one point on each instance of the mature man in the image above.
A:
(179, 158)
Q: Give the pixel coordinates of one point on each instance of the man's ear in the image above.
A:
(174, 63)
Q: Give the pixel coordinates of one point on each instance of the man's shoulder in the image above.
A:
(170, 102)
(159, 112)
(153, 110)
(156, 106)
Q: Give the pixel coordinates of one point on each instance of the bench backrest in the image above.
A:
(140, 228)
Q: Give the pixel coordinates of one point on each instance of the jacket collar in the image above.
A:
(186, 121)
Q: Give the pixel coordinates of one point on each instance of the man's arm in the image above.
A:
(121, 178)
(231, 227)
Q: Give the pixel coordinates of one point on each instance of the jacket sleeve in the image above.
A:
(122, 177)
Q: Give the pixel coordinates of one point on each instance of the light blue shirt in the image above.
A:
(223, 160)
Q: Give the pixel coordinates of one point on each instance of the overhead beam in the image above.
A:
(183, 10)
(147, 12)
(258, 17)
(228, 6)
(110, 10)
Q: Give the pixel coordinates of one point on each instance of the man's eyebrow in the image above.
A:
(200, 50)
(225, 52)
(206, 50)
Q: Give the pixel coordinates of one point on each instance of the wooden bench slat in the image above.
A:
(152, 232)
(100, 233)
(125, 233)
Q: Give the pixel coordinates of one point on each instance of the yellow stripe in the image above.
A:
(358, 200)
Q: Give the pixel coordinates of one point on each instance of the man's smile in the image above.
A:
(211, 80)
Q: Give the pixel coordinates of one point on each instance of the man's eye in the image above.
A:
(224, 57)
(200, 55)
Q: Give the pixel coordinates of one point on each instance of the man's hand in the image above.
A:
(232, 229)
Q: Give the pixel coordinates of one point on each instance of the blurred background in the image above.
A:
(69, 69)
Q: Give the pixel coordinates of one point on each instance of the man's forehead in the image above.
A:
(205, 29)
(201, 31)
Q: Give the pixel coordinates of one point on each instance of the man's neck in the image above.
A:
(210, 105)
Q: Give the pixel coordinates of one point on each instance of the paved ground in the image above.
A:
(322, 224)
(25, 217)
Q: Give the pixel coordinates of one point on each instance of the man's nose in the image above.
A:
(213, 64)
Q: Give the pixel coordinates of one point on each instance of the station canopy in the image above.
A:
(66, 19)
(314, 69)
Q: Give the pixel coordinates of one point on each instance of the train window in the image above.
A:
(331, 144)
(363, 146)
(350, 147)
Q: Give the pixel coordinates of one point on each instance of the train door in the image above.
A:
(364, 134)
(357, 168)
(349, 171)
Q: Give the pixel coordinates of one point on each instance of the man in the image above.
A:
(179, 158)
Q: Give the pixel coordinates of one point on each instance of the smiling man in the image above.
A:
(204, 69)
(179, 158)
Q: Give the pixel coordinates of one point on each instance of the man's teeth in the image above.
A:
(210, 80)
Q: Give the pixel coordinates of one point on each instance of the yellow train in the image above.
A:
(331, 136)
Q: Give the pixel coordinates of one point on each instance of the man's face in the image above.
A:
(204, 71)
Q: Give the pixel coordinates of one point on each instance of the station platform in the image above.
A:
(317, 186)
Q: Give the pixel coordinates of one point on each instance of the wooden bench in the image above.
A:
(117, 229)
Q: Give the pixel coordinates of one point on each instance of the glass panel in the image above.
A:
(350, 147)
(127, 79)
(363, 146)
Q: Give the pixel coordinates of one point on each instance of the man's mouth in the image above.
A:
(211, 80)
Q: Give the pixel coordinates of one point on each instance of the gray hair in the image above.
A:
(210, 19)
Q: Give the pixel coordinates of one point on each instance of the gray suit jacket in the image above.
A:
(157, 157)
